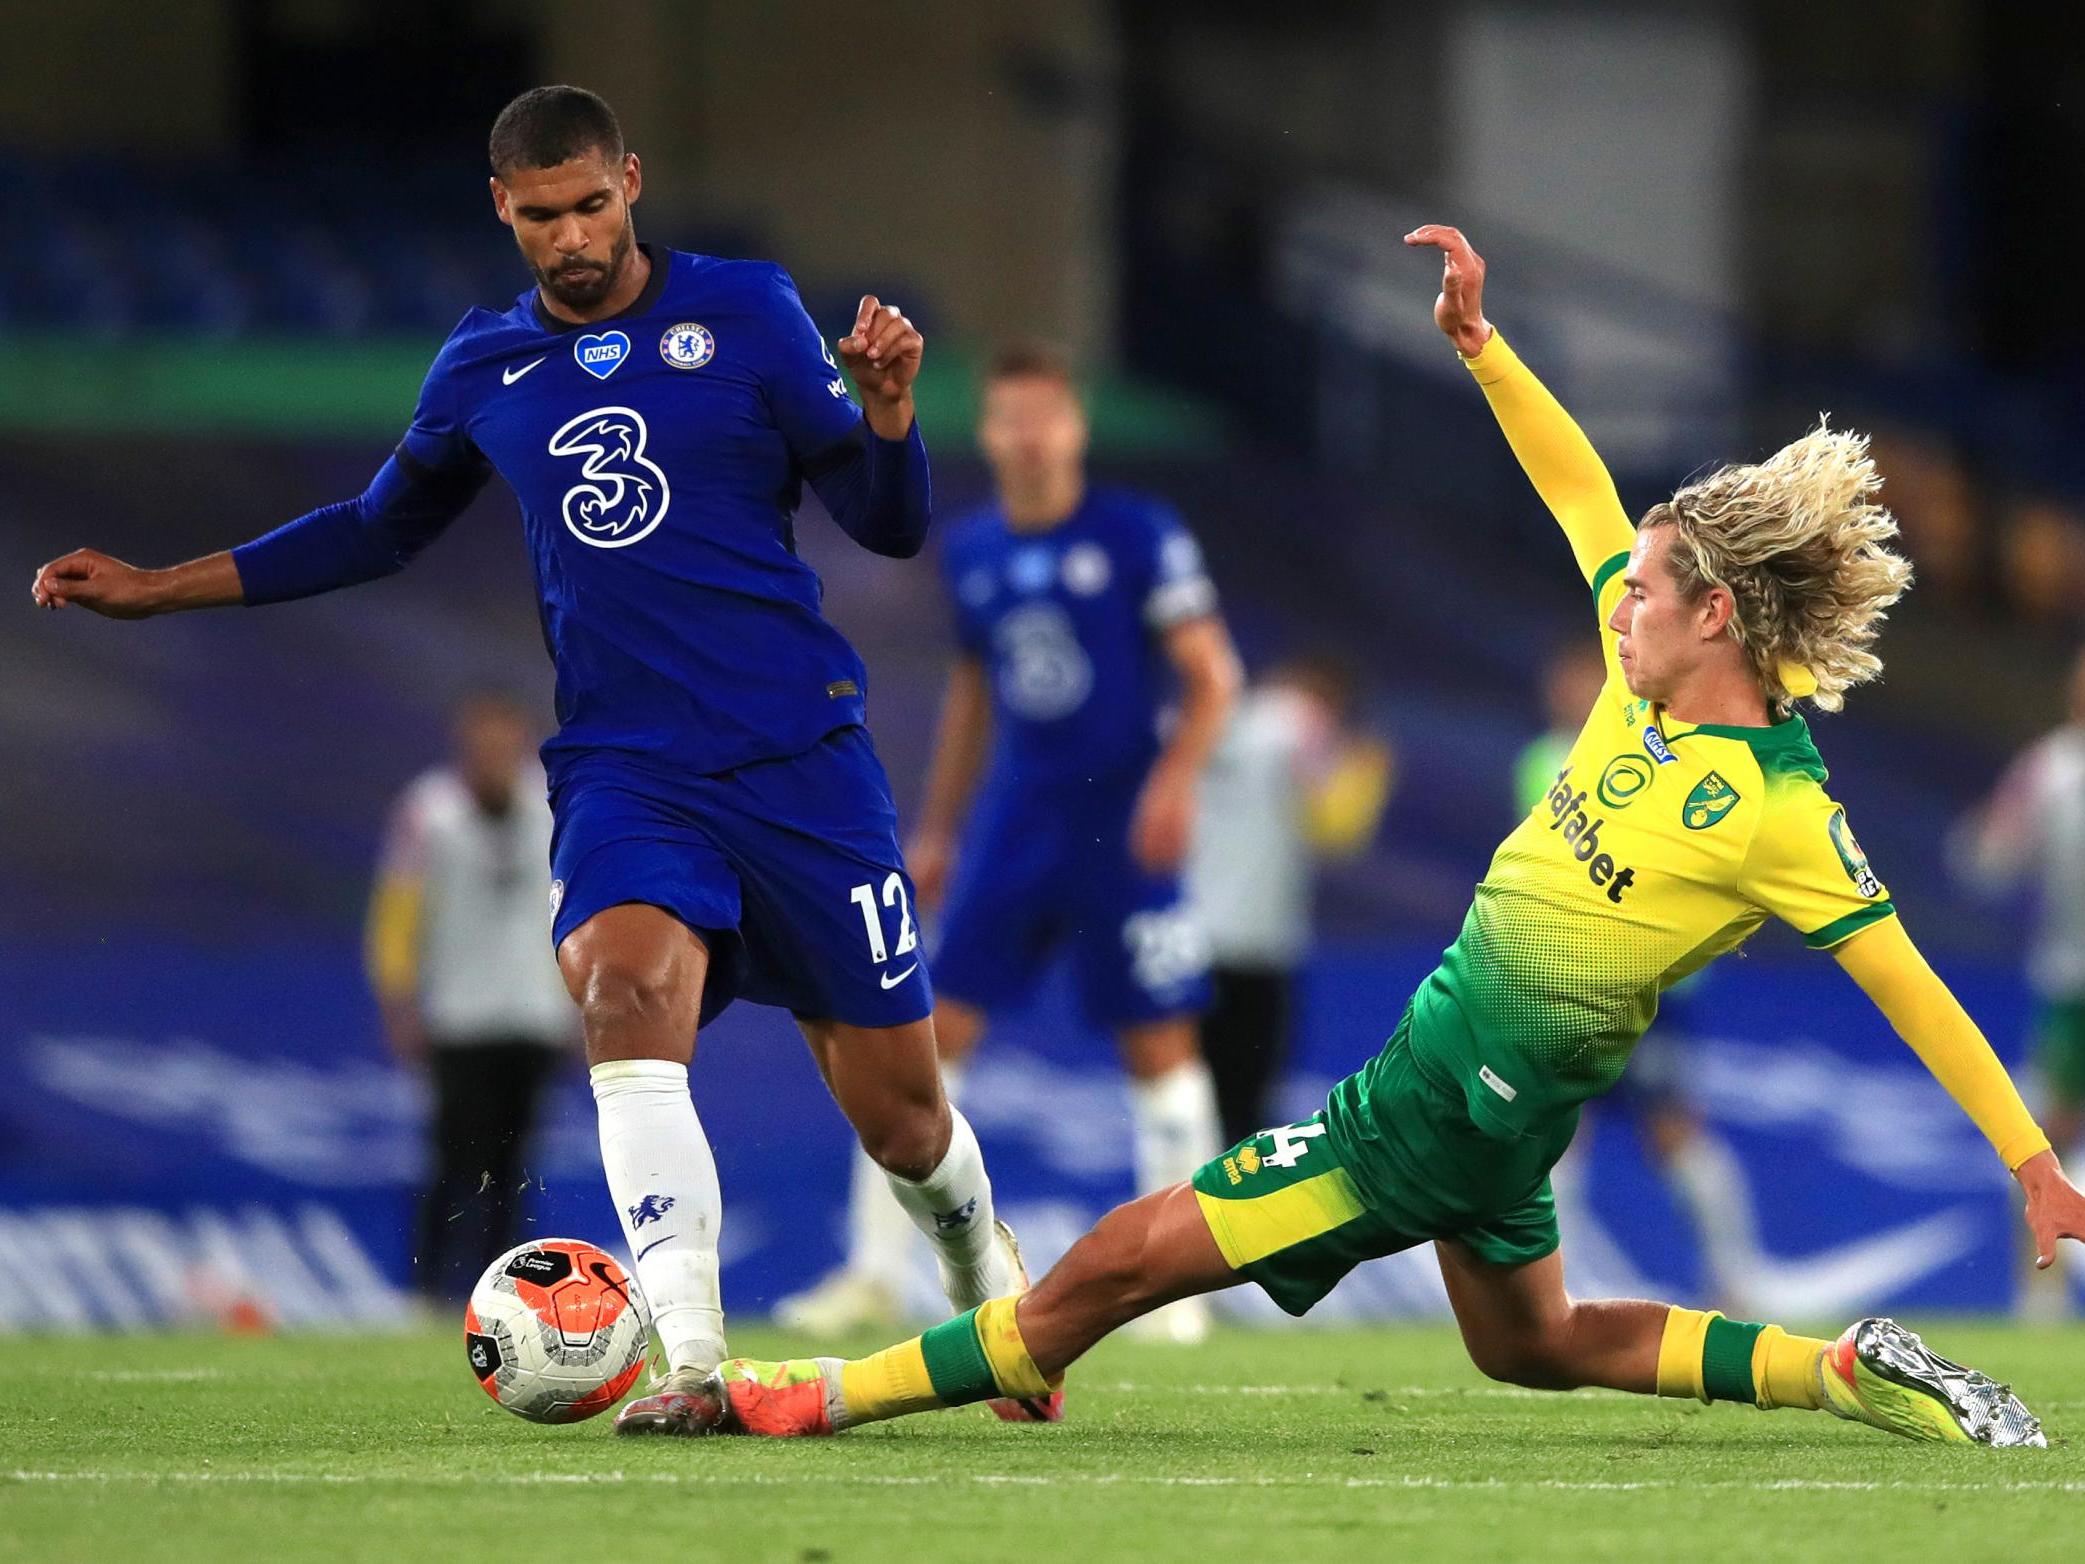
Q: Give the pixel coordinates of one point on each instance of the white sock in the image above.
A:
(879, 1223)
(953, 1206)
(1711, 1184)
(664, 1182)
(1173, 1125)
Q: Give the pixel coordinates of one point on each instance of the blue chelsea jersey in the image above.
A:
(1069, 624)
(658, 458)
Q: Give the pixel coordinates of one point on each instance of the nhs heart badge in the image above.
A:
(600, 356)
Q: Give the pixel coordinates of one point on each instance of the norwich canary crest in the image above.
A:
(1709, 802)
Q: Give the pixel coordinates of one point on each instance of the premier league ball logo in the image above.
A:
(687, 346)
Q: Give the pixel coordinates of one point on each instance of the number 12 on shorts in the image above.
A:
(864, 897)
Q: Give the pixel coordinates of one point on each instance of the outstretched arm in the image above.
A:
(107, 586)
(1554, 452)
(403, 510)
(1890, 970)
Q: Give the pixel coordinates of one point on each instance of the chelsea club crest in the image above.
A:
(687, 346)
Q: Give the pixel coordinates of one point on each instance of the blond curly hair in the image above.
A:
(1798, 541)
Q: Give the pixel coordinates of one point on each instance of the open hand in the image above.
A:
(1459, 311)
(2055, 1209)
(95, 581)
(882, 353)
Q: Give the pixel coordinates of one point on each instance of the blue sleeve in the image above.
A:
(1176, 584)
(405, 508)
(878, 490)
(428, 482)
(804, 389)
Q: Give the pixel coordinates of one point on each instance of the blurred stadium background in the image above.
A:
(241, 228)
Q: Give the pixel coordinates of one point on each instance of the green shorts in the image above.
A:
(1391, 1161)
(2059, 1048)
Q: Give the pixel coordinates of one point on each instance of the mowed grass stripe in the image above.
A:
(1050, 1480)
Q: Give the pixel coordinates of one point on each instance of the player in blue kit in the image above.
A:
(1080, 611)
(723, 828)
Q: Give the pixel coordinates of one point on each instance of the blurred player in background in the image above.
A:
(459, 956)
(723, 826)
(2032, 831)
(1292, 781)
(1691, 809)
(1079, 611)
(1702, 1172)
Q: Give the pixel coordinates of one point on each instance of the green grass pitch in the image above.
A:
(1309, 1446)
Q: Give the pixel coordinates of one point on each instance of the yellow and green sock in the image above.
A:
(1709, 1358)
(976, 1356)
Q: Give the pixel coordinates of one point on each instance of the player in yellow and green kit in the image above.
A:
(1689, 810)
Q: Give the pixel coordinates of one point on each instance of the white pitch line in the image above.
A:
(1010, 1479)
(150, 1376)
(1398, 1392)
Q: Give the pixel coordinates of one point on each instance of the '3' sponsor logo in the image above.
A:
(621, 494)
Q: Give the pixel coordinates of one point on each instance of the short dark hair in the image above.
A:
(1030, 360)
(1333, 677)
(547, 126)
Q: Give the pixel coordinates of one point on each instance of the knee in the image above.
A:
(911, 1140)
(1537, 1357)
(620, 999)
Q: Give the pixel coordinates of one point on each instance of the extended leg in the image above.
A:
(868, 1290)
(637, 974)
(1150, 1252)
(1522, 1327)
(888, 1082)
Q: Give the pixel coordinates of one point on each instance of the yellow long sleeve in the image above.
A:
(391, 941)
(1890, 970)
(1341, 813)
(1557, 457)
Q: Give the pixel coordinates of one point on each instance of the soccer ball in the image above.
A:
(555, 1331)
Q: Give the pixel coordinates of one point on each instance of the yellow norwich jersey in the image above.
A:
(1660, 845)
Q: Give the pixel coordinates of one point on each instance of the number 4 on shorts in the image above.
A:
(1291, 1141)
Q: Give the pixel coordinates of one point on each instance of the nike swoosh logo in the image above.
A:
(893, 982)
(648, 1248)
(509, 376)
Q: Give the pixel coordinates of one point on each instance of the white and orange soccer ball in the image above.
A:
(556, 1331)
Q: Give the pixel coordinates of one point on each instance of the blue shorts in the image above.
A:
(1039, 876)
(788, 869)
